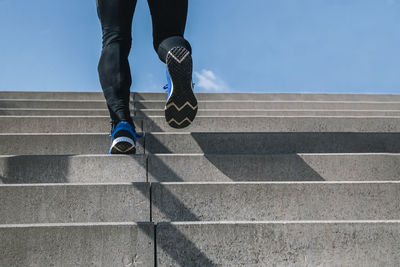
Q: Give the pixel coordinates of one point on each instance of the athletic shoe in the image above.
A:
(123, 139)
(181, 105)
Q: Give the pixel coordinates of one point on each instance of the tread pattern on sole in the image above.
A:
(181, 107)
(123, 148)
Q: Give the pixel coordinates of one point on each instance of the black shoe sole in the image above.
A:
(181, 107)
(123, 148)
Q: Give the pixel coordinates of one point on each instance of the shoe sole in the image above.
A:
(181, 107)
(123, 147)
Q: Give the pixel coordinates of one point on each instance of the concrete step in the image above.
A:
(53, 112)
(265, 201)
(256, 112)
(81, 124)
(271, 143)
(52, 104)
(273, 105)
(70, 203)
(202, 96)
(72, 169)
(329, 243)
(56, 144)
(70, 245)
(275, 167)
(279, 124)
(211, 104)
(276, 96)
(51, 95)
(204, 112)
(198, 168)
(208, 143)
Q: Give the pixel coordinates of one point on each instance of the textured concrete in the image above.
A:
(261, 143)
(276, 96)
(52, 103)
(279, 124)
(204, 112)
(72, 169)
(279, 244)
(247, 112)
(51, 95)
(52, 112)
(253, 104)
(201, 96)
(56, 144)
(71, 245)
(58, 124)
(275, 167)
(81, 124)
(63, 203)
(264, 201)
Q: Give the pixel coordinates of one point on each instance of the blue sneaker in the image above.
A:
(181, 106)
(123, 139)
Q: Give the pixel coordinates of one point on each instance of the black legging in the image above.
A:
(169, 20)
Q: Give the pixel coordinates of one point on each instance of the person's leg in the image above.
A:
(169, 21)
(113, 68)
(114, 71)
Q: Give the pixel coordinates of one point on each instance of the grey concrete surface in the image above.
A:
(276, 96)
(250, 112)
(52, 103)
(51, 95)
(358, 244)
(265, 201)
(274, 167)
(200, 96)
(85, 124)
(204, 112)
(52, 112)
(267, 143)
(59, 124)
(279, 124)
(64, 203)
(253, 104)
(71, 245)
(72, 169)
(56, 144)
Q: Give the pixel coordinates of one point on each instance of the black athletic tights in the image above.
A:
(169, 20)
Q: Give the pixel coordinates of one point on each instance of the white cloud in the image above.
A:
(207, 80)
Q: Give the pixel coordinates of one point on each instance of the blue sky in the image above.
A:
(344, 46)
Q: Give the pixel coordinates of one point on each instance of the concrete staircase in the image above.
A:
(257, 180)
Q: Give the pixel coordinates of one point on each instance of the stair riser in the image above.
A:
(276, 97)
(61, 144)
(255, 112)
(63, 104)
(70, 246)
(204, 112)
(72, 169)
(279, 244)
(278, 105)
(53, 112)
(203, 96)
(279, 124)
(202, 124)
(74, 203)
(282, 201)
(52, 95)
(268, 105)
(291, 167)
(261, 143)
